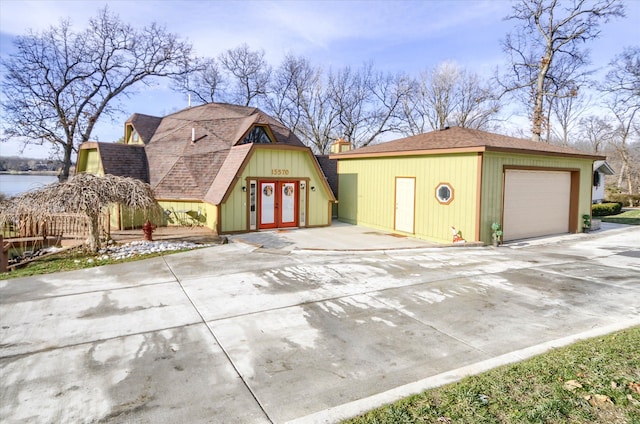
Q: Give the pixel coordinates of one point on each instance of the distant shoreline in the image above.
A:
(54, 173)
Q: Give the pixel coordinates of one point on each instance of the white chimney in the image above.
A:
(193, 135)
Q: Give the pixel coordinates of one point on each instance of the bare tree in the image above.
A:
(320, 116)
(202, 80)
(356, 104)
(59, 83)
(389, 92)
(291, 83)
(87, 194)
(478, 103)
(249, 72)
(366, 102)
(562, 111)
(622, 87)
(439, 94)
(349, 95)
(449, 96)
(596, 131)
(623, 78)
(299, 97)
(549, 30)
(564, 102)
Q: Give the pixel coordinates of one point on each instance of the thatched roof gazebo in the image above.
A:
(86, 194)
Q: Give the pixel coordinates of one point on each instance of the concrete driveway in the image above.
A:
(242, 334)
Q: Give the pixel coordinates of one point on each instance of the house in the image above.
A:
(231, 168)
(457, 182)
(600, 169)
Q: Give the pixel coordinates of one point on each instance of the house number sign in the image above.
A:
(278, 171)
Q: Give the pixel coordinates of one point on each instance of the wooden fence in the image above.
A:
(28, 233)
(64, 225)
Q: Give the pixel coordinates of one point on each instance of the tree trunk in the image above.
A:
(538, 113)
(622, 172)
(94, 233)
(627, 174)
(66, 162)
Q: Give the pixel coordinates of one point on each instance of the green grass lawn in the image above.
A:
(629, 217)
(592, 381)
(72, 260)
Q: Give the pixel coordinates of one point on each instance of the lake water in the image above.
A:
(11, 185)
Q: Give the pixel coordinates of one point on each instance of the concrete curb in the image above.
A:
(361, 406)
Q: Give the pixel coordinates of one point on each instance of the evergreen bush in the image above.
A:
(606, 209)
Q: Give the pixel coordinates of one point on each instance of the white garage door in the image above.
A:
(536, 203)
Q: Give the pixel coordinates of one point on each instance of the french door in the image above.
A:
(278, 204)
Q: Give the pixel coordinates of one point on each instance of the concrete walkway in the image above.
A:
(339, 236)
(237, 333)
(345, 237)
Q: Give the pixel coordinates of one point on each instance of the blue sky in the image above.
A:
(407, 36)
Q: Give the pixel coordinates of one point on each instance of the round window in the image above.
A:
(444, 193)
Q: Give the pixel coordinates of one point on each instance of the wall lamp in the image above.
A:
(313, 188)
(244, 189)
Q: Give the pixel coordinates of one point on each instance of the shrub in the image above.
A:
(605, 209)
(625, 199)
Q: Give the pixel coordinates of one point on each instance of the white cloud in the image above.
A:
(397, 35)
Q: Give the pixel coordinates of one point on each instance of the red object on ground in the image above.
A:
(148, 229)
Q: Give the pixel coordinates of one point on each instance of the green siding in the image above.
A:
(132, 218)
(234, 210)
(265, 163)
(367, 187)
(188, 213)
(89, 161)
(492, 184)
(122, 217)
(367, 193)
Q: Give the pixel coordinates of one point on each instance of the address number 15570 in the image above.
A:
(277, 171)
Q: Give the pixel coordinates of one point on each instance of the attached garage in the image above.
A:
(536, 203)
(456, 182)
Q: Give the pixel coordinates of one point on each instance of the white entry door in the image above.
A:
(405, 204)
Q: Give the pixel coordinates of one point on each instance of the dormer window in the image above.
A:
(257, 135)
(132, 135)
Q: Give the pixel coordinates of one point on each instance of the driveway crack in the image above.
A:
(222, 348)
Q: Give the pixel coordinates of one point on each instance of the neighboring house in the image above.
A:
(600, 169)
(232, 168)
(466, 179)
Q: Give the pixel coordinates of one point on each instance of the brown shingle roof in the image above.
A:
(174, 158)
(190, 176)
(227, 173)
(124, 160)
(179, 183)
(458, 139)
(145, 125)
(330, 169)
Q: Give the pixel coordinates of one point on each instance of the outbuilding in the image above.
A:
(455, 183)
(600, 169)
